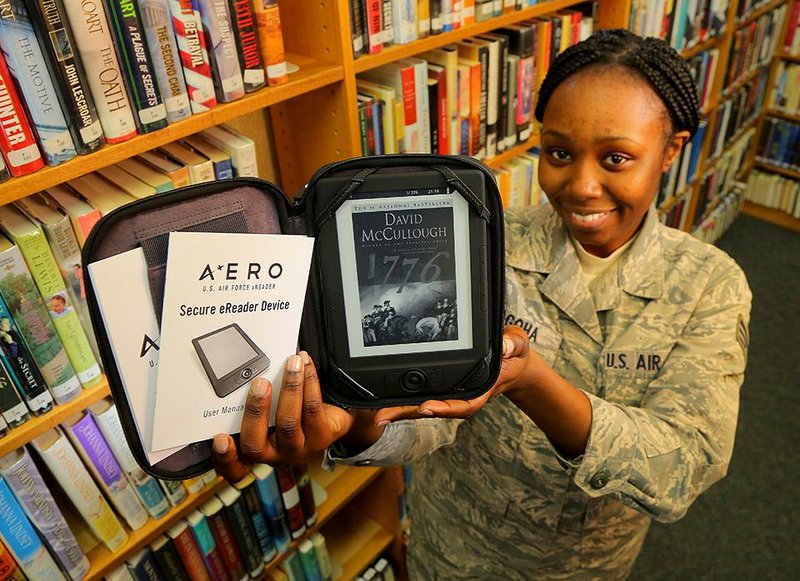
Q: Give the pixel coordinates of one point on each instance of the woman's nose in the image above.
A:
(585, 182)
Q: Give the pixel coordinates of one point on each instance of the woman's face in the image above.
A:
(606, 139)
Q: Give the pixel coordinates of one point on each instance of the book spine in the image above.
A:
(17, 141)
(193, 54)
(226, 542)
(291, 502)
(307, 503)
(26, 63)
(4, 173)
(169, 561)
(357, 27)
(308, 560)
(272, 505)
(222, 53)
(47, 276)
(252, 504)
(22, 540)
(137, 64)
(33, 495)
(323, 557)
(268, 22)
(93, 447)
(208, 548)
(143, 566)
(245, 32)
(21, 365)
(166, 58)
(190, 555)
(174, 491)
(67, 253)
(67, 70)
(13, 409)
(245, 535)
(9, 570)
(146, 487)
(101, 65)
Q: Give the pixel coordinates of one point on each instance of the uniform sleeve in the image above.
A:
(402, 442)
(659, 457)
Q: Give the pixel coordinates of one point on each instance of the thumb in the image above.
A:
(515, 342)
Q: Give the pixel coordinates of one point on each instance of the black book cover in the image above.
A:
(168, 559)
(246, 35)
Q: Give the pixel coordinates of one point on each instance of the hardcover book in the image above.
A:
(32, 242)
(219, 308)
(103, 73)
(26, 482)
(65, 464)
(187, 548)
(193, 54)
(81, 215)
(272, 505)
(143, 566)
(27, 308)
(268, 21)
(130, 184)
(245, 33)
(221, 161)
(17, 141)
(13, 410)
(236, 513)
(26, 62)
(222, 530)
(201, 169)
(176, 172)
(207, 545)
(291, 501)
(169, 560)
(222, 55)
(242, 149)
(252, 503)
(146, 173)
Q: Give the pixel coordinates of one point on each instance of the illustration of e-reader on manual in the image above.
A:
(232, 309)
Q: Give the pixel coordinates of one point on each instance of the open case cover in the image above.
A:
(405, 295)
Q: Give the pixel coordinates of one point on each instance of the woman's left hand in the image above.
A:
(515, 366)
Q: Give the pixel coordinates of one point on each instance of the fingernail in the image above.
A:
(306, 358)
(295, 363)
(508, 346)
(259, 387)
(425, 412)
(220, 444)
(381, 423)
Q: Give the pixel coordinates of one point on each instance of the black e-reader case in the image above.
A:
(405, 295)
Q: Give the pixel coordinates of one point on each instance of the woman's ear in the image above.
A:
(674, 146)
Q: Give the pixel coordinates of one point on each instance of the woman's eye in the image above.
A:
(559, 154)
(616, 159)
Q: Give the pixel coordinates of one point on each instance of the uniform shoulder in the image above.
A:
(519, 221)
(687, 252)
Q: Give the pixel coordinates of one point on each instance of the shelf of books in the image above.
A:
(356, 541)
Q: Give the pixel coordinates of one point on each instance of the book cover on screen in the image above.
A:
(221, 309)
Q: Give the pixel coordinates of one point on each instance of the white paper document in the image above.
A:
(232, 310)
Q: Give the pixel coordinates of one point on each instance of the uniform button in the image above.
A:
(599, 480)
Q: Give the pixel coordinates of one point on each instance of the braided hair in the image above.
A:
(651, 59)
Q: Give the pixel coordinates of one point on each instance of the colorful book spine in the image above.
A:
(26, 62)
(168, 559)
(174, 491)
(246, 538)
(166, 58)
(207, 545)
(224, 538)
(137, 65)
(252, 503)
(32, 242)
(93, 448)
(25, 481)
(13, 410)
(9, 570)
(146, 487)
(308, 560)
(272, 505)
(20, 364)
(193, 54)
(17, 141)
(241, 149)
(246, 34)
(181, 535)
(222, 53)
(103, 73)
(323, 557)
(270, 39)
(55, 37)
(22, 541)
(291, 502)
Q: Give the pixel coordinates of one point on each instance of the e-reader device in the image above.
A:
(230, 358)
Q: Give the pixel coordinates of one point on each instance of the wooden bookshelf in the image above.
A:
(21, 435)
(356, 543)
(514, 151)
(783, 115)
(777, 217)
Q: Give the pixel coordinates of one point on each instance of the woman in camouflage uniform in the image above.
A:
(622, 362)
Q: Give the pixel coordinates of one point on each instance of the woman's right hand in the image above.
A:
(304, 424)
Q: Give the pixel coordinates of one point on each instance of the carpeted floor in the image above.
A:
(748, 525)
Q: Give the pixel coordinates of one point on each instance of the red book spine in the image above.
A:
(9, 570)
(291, 501)
(226, 544)
(190, 555)
(16, 137)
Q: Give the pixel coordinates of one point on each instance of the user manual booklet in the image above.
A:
(232, 310)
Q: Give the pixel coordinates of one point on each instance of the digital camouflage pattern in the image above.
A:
(659, 345)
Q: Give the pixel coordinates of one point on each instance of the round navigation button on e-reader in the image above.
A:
(414, 380)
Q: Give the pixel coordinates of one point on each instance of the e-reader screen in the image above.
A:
(226, 350)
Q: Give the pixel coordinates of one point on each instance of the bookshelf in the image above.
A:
(298, 126)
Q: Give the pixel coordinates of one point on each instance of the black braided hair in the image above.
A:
(652, 59)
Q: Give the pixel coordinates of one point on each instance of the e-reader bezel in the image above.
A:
(233, 380)
(378, 380)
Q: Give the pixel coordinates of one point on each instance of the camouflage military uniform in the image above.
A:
(659, 346)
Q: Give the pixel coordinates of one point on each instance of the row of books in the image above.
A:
(682, 23)
(474, 97)
(722, 216)
(791, 42)
(754, 45)
(380, 570)
(774, 191)
(47, 346)
(75, 75)
(785, 93)
(703, 68)
(518, 181)
(736, 112)
(86, 460)
(377, 24)
(233, 536)
(674, 214)
(780, 144)
(718, 179)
